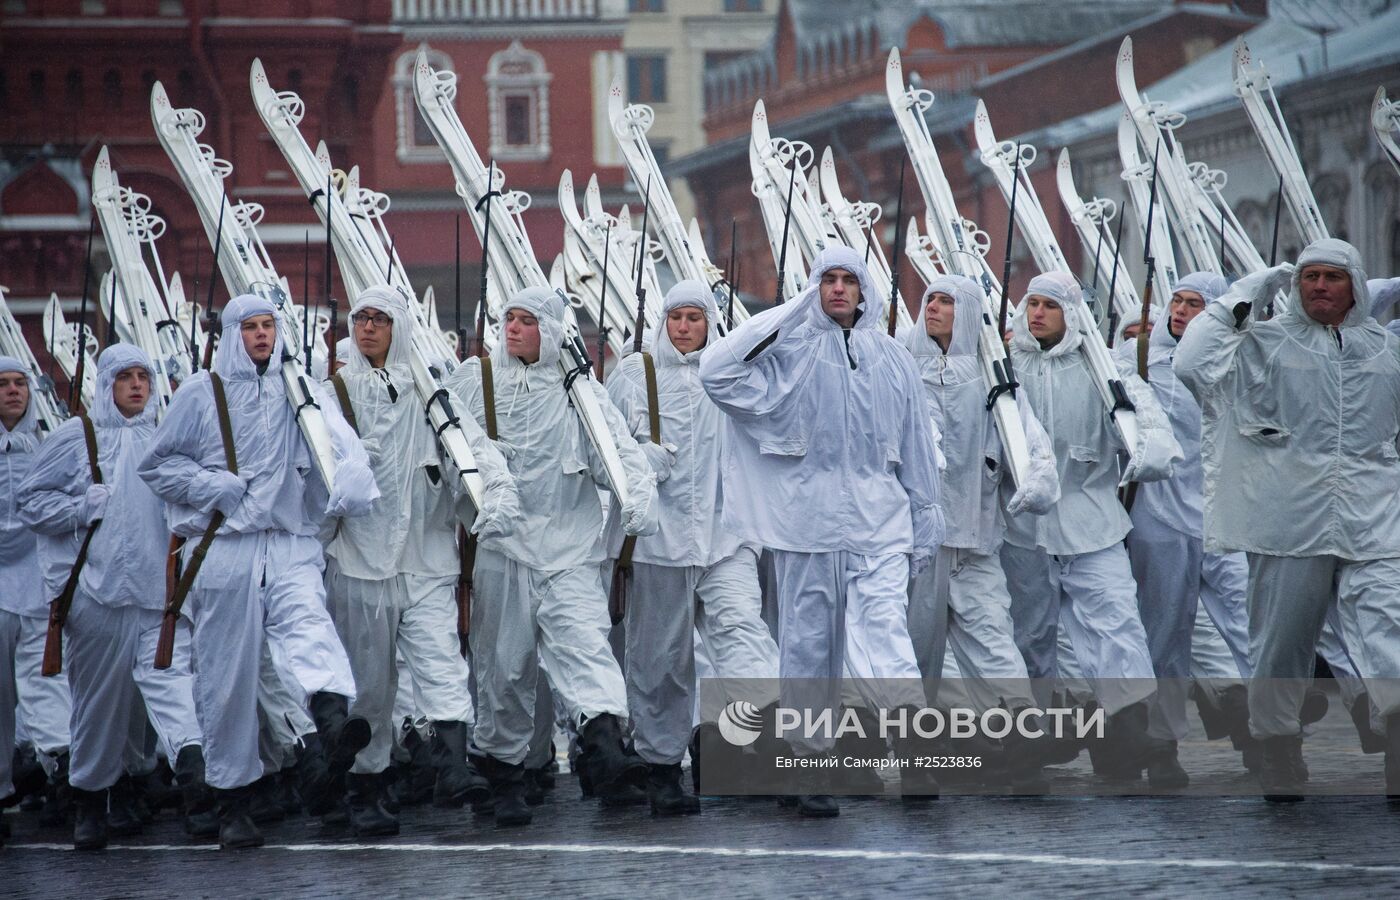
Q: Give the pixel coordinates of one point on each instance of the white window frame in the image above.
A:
(512, 72)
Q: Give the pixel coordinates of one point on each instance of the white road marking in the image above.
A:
(1039, 859)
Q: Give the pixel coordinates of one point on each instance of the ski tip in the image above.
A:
(160, 101)
(1063, 160)
(1379, 102)
(828, 161)
(566, 181)
(257, 76)
(893, 62)
(1125, 49)
(1241, 55)
(760, 113)
(593, 184)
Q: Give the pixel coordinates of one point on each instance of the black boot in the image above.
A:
(1314, 706)
(27, 775)
(287, 793)
(90, 824)
(1164, 771)
(614, 774)
(58, 799)
(534, 788)
(917, 783)
(507, 792)
(368, 817)
(264, 803)
(158, 789)
(1128, 747)
(457, 780)
(123, 820)
(1361, 719)
(342, 735)
(665, 793)
(236, 828)
(326, 756)
(201, 816)
(1024, 758)
(1278, 777)
(810, 800)
(1392, 756)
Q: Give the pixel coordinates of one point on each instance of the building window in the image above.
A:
(184, 88)
(743, 5)
(112, 88)
(645, 6)
(517, 95)
(415, 139)
(171, 8)
(94, 7)
(74, 90)
(646, 78)
(520, 117)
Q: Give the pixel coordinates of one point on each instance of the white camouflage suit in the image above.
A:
(392, 574)
(114, 622)
(693, 573)
(538, 592)
(262, 579)
(1165, 545)
(829, 460)
(1068, 567)
(1300, 423)
(963, 595)
(41, 704)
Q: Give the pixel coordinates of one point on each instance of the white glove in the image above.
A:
(918, 562)
(348, 496)
(1153, 458)
(1020, 501)
(639, 516)
(492, 521)
(661, 458)
(227, 490)
(94, 503)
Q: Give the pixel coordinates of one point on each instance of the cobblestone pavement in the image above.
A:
(1094, 845)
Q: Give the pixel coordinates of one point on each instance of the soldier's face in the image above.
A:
(259, 335)
(1184, 306)
(522, 335)
(131, 390)
(687, 328)
(14, 397)
(1326, 293)
(840, 293)
(1045, 319)
(938, 318)
(374, 332)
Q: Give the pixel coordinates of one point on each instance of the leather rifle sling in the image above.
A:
(166, 643)
(343, 396)
(617, 599)
(59, 606)
(466, 543)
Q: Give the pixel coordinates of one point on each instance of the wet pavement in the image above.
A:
(740, 847)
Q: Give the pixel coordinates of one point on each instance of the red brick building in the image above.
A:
(822, 81)
(76, 74)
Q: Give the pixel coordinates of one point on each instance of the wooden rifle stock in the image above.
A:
(58, 608)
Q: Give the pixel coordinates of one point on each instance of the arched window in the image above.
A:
(517, 95)
(415, 141)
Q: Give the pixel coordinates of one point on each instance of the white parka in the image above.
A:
(828, 445)
(1176, 501)
(689, 490)
(126, 559)
(281, 489)
(957, 403)
(411, 528)
(21, 588)
(1300, 420)
(556, 469)
(1061, 390)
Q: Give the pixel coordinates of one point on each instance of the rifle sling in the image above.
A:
(488, 402)
(216, 521)
(343, 395)
(624, 559)
(64, 601)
